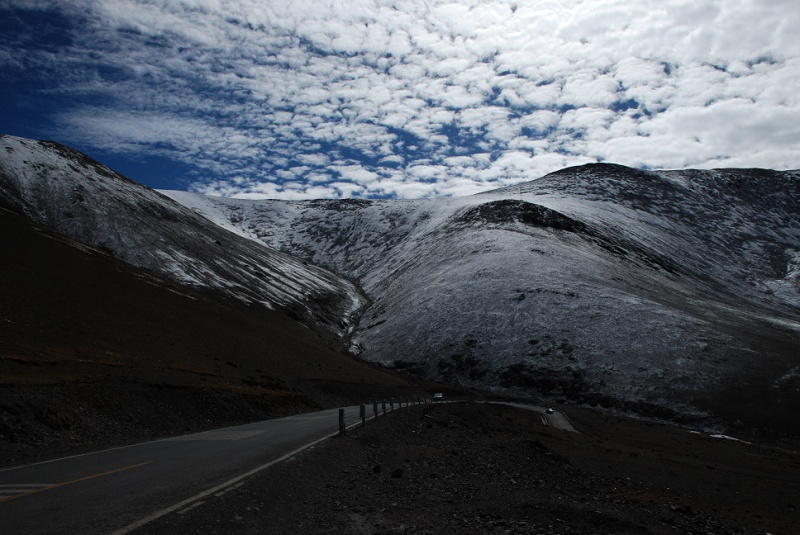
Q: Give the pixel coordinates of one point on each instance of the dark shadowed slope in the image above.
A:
(95, 352)
(70, 193)
(673, 294)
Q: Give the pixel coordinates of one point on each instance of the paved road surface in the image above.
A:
(117, 490)
(113, 491)
(556, 419)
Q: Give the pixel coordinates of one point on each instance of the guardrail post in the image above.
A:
(363, 410)
(391, 405)
(375, 409)
(383, 402)
(342, 428)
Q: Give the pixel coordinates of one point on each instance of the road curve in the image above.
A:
(114, 491)
(556, 419)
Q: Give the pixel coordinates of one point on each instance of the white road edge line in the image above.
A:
(185, 504)
(195, 504)
(189, 501)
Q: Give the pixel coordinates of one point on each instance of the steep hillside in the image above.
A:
(667, 293)
(95, 352)
(204, 333)
(74, 195)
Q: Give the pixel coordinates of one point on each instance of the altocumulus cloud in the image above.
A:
(411, 98)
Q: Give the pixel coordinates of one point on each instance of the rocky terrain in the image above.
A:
(666, 293)
(475, 468)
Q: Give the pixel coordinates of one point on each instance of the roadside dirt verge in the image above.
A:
(476, 468)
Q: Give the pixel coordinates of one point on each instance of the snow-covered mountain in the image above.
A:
(74, 195)
(600, 283)
(665, 292)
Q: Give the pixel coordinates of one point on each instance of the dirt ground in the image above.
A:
(478, 468)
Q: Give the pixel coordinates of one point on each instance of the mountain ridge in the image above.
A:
(73, 194)
(708, 279)
(669, 293)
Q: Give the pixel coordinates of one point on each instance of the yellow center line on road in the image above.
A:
(64, 484)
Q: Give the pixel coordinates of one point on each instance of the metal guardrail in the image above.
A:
(427, 400)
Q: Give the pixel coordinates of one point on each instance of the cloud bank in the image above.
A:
(416, 98)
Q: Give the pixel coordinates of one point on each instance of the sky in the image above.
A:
(300, 99)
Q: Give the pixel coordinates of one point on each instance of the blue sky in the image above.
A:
(401, 98)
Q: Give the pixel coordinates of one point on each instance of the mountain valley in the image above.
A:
(666, 294)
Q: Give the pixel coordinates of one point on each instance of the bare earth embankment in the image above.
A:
(476, 468)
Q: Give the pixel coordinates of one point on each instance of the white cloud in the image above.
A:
(356, 174)
(318, 160)
(425, 97)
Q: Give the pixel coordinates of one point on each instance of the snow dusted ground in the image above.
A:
(601, 279)
(594, 284)
(64, 190)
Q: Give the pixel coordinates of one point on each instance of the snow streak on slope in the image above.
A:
(76, 196)
(591, 283)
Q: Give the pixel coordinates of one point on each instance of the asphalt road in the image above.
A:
(117, 490)
(556, 419)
